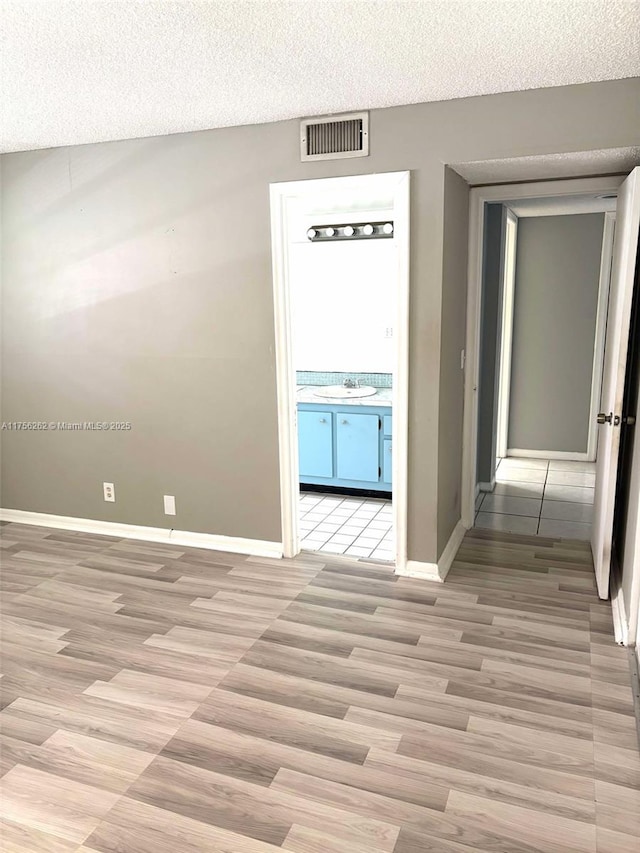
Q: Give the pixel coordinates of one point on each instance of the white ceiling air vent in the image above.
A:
(335, 137)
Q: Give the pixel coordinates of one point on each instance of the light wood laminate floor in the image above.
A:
(158, 698)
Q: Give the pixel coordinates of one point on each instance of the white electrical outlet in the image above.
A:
(109, 492)
(169, 505)
(388, 331)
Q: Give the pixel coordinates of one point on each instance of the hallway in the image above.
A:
(547, 497)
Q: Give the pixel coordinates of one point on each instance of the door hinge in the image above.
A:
(379, 422)
(379, 471)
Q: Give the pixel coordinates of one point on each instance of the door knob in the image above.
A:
(604, 419)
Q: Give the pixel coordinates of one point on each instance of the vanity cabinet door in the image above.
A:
(315, 444)
(386, 461)
(357, 447)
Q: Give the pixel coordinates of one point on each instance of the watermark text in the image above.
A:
(67, 426)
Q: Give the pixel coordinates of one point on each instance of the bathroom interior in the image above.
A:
(343, 274)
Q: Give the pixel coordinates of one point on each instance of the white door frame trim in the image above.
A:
(479, 196)
(604, 280)
(507, 285)
(283, 196)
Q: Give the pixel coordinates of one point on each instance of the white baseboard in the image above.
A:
(620, 623)
(451, 549)
(436, 571)
(211, 541)
(565, 455)
(486, 487)
(417, 569)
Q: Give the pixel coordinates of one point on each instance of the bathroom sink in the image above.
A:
(340, 392)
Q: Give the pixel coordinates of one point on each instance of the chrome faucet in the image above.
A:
(351, 383)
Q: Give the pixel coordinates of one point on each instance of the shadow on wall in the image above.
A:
(146, 223)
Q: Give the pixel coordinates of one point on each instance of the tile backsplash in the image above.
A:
(311, 377)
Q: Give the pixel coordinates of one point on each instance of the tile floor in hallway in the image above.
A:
(540, 496)
(353, 526)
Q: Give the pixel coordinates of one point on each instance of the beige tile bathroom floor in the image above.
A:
(540, 497)
(355, 527)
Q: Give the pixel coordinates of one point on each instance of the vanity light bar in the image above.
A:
(352, 231)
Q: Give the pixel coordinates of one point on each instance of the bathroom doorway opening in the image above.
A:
(341, 296)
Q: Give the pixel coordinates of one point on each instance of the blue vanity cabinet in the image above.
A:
(386, 461)
(345, 445)
(315, 444)
(357, 446)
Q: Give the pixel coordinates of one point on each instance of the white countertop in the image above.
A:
(382, 398)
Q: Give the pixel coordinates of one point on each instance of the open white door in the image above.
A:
(507, 287)
(625, 248)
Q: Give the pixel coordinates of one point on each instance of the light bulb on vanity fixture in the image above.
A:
(346, 231)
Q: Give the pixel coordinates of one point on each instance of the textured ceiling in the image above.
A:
(575, 164)
(76, 72)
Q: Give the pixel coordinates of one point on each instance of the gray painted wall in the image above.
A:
(554, 323)
(137, 286)
(454, 312)
(490, 338)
